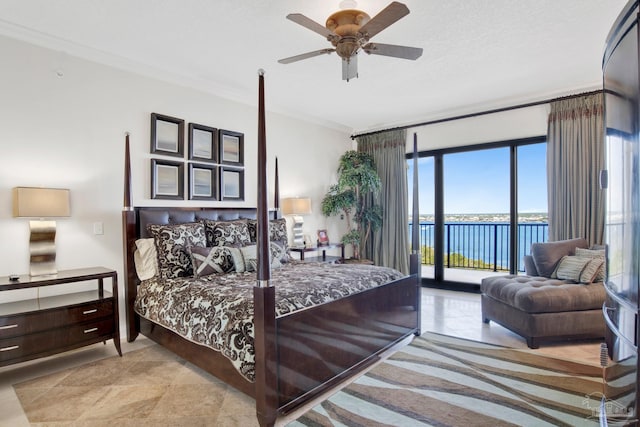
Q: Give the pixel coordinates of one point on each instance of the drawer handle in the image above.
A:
(13, 347)
(8, 327)
(87, 331)
(90, 311)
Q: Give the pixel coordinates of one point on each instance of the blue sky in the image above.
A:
(478, 181)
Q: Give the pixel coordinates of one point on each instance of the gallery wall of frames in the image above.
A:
(213, 166)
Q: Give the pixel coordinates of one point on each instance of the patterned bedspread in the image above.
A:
(217, 310)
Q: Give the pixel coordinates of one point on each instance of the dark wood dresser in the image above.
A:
(47, 325)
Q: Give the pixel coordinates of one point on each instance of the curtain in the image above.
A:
(389, 245)
(575, 156)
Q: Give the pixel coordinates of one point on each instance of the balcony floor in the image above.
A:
(462, 275)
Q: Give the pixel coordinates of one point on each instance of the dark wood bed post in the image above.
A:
(415, 262)
(128, 230)
(264, 293)
(276, 192)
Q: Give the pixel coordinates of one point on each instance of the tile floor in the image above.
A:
(445, 312)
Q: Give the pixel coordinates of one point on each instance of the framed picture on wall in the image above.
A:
(231, 147)
(167, 135)
(232, 184)
(203, 182)
(203, 143)
(167, 180)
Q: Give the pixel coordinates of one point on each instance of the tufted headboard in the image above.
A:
(146, 216)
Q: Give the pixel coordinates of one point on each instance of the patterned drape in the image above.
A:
(575, 156)
(389, 245)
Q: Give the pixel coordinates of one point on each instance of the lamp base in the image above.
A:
(298, 236)
(42, 248)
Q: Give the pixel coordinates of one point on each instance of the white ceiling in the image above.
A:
(478, 54)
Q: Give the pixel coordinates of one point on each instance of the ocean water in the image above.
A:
(488, 242)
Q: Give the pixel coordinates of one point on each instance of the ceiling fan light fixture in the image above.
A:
(347, 22)
(347, 47)
(349, 31)
(348, 4)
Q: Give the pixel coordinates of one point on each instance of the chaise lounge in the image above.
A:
(560, 297)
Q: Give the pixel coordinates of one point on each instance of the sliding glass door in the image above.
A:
(476, 214)
(481, 207)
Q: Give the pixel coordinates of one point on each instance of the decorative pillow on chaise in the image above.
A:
(578, 269)
(594, 253)
(145, 259)
(547, 255)
(214, 260)
(227, 233)
(172, 242)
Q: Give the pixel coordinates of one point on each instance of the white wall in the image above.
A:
(68, 131)
(507, 125)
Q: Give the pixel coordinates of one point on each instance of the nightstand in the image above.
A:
(43, 326)
(323, 249)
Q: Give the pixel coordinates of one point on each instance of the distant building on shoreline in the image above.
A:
(537, 217)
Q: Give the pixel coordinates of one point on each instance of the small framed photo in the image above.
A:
(232, 184)
(203, 182)
(167, 180)
(203, 143)
(323, 238)
(167, 135)
(231, 147)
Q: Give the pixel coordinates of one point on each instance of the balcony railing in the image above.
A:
(482, 246)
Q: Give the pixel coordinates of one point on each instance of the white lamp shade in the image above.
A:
(40, 202)
(296, 206)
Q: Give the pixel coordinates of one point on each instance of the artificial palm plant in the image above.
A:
(357, 180)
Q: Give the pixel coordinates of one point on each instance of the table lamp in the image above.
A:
(297, 206)
(34, 202)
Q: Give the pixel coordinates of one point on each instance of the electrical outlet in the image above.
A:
(98, 228)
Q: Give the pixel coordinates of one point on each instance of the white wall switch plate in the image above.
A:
(98, 228)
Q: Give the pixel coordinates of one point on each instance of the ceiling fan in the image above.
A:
(349, 31)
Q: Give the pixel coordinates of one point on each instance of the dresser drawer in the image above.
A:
(28, 323)
(54, 340)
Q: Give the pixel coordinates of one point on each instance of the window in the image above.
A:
(481, 207)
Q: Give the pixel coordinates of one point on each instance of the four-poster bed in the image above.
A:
(295, 355)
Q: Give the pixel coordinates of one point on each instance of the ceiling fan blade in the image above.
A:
(396, 51)
(350, 68)
(302, 56)
(309, 23)
(387, 16)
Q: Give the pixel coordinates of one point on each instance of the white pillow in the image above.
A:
(146, 259)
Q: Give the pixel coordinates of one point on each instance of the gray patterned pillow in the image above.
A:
(172, 243)
(214, 260)
(227, 233)
(279, 251)
(277, 231)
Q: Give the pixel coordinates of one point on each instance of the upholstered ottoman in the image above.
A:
(539, 308)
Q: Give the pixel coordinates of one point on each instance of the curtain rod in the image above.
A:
(481, 113)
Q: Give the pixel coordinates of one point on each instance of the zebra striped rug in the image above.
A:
(444, 381)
